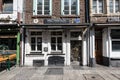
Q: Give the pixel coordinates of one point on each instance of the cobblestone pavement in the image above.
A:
(61, 73)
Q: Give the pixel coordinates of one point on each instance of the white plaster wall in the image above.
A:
(84, 51)
(46, 37)
(17, 7)
(92, 43)
(105, 40)
(68, 48)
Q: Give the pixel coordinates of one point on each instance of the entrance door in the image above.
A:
(98, 47)
(76, 51)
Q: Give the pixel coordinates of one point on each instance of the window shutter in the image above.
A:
(78, 7)
(62, 7)
(34, 7)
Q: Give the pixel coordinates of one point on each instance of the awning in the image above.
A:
(102, 25)
(56, 26)
(6, 26)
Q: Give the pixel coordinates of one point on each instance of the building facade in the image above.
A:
(55, 33)
(105, 17)
(10, 14)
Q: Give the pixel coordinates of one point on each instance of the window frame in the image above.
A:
(35, 8)
(77, 11)
(36, 37)
(113, 40)
(6, 12)
(56, 43)
(97, 7)
(114, 8)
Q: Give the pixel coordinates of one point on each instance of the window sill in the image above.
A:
(41, 16)
(34, 54)
(70, 16)
(99, 15)
(55, 54)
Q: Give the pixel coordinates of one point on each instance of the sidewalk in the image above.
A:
(61, 73)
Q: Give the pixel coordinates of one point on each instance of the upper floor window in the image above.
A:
(97, 6)
(114, 6)
(7, 6)
(42, 7)
(70, 7)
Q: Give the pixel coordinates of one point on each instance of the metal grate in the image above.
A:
(54, 71)
(93, 77)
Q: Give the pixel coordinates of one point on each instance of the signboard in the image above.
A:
(56, 21)
(77, 20)
(113, 19)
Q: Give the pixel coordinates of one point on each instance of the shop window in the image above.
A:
(7, 6)
(97, 6)
(36, 41)
(56, 41)
(70, 7)
(115, 36)
(42, 7)
(114, 6)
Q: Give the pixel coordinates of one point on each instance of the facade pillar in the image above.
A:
(84, 51)
(18, 49)
(92, 47)
(68, 47)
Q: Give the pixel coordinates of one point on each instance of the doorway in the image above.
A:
(98, 47)
(76, 52)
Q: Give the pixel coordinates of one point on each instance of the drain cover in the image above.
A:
(54, 71)
(93, 77)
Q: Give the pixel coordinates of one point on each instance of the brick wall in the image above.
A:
(56, 12)
(103, 17)
(1, 2)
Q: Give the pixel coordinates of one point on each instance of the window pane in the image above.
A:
(115, 45)
(66, 2)
(53, 47)
(59, 39)
(111, 6)
(46, 7)
(33, 40)
(100, 9)
(115, 34)
(39, 12)
(66, 8)
(100, 6)
(117, 6)
(7, 6)
(39, 40)
(53, 40)
(59, 46)
(39, 43)
(33, 43)
(94, 6)
(73, 12)
(39, 47)
(73, 6)
(39, 6)
(33, 47)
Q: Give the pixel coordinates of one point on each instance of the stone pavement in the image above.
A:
(61, 73)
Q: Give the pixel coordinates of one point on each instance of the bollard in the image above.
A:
(8, 64)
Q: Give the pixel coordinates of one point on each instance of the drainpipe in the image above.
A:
(24, 32)
(87, 20)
